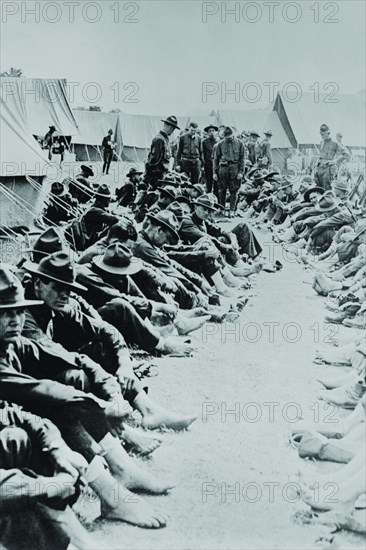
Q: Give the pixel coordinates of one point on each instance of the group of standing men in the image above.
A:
(220, 157)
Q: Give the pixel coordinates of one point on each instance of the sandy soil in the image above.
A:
(235, 472)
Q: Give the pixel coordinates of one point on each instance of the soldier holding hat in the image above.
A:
(207, 151)
(157, 164)
(328, 163)
(229, 168)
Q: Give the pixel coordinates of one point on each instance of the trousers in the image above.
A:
(192, 168)
(228, 182)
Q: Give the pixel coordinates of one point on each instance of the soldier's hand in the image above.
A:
(178, 168)
(215, 177)
(239, 176)
(69, 461)
(60, 486)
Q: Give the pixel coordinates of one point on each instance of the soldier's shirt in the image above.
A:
(189, 147)
(207, 149)
(329, 149)
(160, 153)
(231, 152)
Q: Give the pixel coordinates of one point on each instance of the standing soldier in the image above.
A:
(157, 164)
(189, 155)
(327, 166)
(108, 146)
(229, 168)
(207, 151)
(266, 153)
(252, 146)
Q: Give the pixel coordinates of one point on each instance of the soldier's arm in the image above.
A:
(180, 150)
(217, 157)
(344, 154)
(241, 158)
(156, 152)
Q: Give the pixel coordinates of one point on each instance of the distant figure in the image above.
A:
(189, 155)
(266, 154)
(48, 141)
(108, 145)
(331, 155)
(207, 151)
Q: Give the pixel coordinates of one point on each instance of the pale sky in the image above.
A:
(170, 51)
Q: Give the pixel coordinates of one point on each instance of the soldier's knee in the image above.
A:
(15, 447)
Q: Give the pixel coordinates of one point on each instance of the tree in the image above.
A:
(13, 72)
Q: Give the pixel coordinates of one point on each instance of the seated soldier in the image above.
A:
(86, 421)
(39, 480)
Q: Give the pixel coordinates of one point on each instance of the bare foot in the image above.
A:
(133, 509)
(129, 474)
(347, 396)
(185, 326)
(161, 418)
(140, 441)
(176, 349)
(335, 356)
(330, 383)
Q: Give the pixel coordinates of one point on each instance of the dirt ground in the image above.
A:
(235, 472)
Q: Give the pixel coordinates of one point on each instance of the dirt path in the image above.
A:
(234, 470)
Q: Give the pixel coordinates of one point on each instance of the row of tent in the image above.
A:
(29, 106)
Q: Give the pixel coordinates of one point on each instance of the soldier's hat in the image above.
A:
(200, 188)
(167, 220)
(324, 128)
(308, 192)
(103, 191)
(268, 133)
(210, 127)
(48, 242)
(133, 172)
(12, 291)
(254, 134)
(56, 267)
(172, 121)
(57, 189)
(206, 200)
(327, 202)
(118, 260)
(177, 210)
(169, 190)
(285, 183)
(87, 169)
(168, 180)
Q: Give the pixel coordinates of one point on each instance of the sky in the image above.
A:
(171, 57)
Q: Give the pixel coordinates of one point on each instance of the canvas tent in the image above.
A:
(27, 108)
(302, 119)
(137, 133)
(93, 126)
(260, 120)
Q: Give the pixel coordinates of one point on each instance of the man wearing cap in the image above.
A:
(157, 164)
(229, 168)
(108, 147)
(127, 193)
(265, 157)
(331, 155)
(189, 154)
(207, 152)
(167, 195)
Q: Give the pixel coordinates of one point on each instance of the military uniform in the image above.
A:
(189, 156)
(327, 167)
(228, 163)
(207, 151)
(265, 148)
(158, 160)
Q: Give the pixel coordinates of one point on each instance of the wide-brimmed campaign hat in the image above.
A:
(133, 172)
(56, 267)
(324, 128)
(228, 131)
(270, 175)
(168, 180)
(118, 260)
(210, 127)
(200, 188)
(182, 198)
(167, 220)
(308, 192)
(285, 183)
(255, 171)
(340, 184)
(103, 191)
(169, 190)
(268, 133)
(87, 169)
(12, 291)
(206, 200)
(327, 202)
(172, 121)
(48, 242)
(254, 134)
(57, 188)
